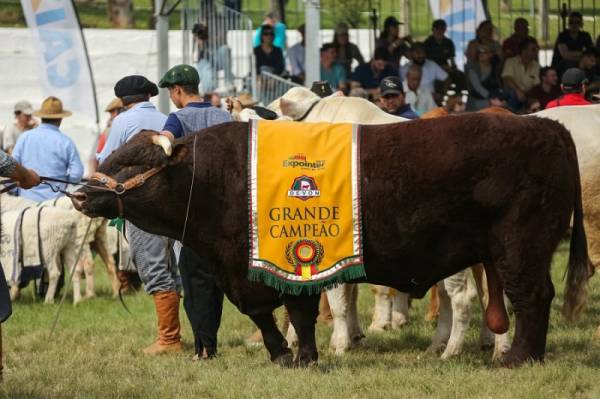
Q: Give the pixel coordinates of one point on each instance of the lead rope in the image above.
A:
(187, 211)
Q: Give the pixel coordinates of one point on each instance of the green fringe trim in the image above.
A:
(350, 273)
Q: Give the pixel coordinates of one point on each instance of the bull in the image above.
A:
(438, 196)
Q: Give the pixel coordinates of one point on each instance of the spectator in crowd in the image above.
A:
(533, 105)
(440, 49)
(213, 98)
(296, 57)
(331, 71)
(484, 36)
(392, 98)
(512, 44)
(548, 88)
(278, 27)
(521, 73)
(588, 64)
(483, 80)
(268, 57)
(48, 151)
(390, 40)
(592, 92)
(420, 100)
(570, 44)
(114, 108)
(213, 55)
(23, 121)
(346, 52)
(431, 72)
(573, 86)
(369, 75)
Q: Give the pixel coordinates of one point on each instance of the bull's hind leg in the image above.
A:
(303, 311)
(274, 341)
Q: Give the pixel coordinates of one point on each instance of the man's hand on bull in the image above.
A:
(26, 178)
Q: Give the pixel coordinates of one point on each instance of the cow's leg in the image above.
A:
(15, 291)
(461, 292)
(88, 268)
(382, 313)
(399, 310)
(53, 277)
(444, 326)
(433, 311)
(303, 311)
(486, 337)
(339, 303)
(356, 333)
(274, 341)
(77, 283)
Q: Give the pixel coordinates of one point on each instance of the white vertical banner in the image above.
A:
(462, 18)
(64, 68)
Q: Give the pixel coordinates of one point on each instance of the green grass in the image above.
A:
(95, 354)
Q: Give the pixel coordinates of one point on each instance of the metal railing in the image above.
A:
(218, 41)
(270, 87)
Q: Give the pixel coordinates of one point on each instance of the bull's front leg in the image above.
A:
(303, 311)
(273, 340)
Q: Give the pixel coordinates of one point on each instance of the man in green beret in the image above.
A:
(202, 300)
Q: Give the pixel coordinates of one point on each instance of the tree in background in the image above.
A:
(120, 13)
(348, 11)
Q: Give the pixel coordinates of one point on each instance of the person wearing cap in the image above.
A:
(296, 57)
(573, 86)
(203, 299)
(332, 72)
(152, 254)
(48, 151)
(346, 51)
(390, 40)
(23, 121)
(392, 98)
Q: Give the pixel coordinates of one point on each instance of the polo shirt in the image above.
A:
(525, 76)
(442, 53)
(368, 79)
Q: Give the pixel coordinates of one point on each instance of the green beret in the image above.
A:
(183, 75)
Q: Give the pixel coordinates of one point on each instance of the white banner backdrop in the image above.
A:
(63, 68)
(462, 17)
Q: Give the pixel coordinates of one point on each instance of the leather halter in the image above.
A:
(110, 184)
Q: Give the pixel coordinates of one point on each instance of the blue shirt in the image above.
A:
(367, 78)
(142, 116)
(334, 76)
(51, 154)
(406, 111)
(173, 124)
(194, 117)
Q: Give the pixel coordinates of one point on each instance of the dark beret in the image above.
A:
(134, 85)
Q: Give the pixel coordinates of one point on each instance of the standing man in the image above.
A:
(392, 98)
(48, 151)
(573, 87)
(152, 254)
(23, 121)
(203, 299)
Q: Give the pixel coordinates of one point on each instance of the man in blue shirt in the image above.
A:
(152, 254)
(392, 98)
(203, 299)
(369, 75)
(48, 151)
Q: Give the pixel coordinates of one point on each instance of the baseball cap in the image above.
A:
(183, 75)
(573, 77)
(391, 21)
(24, 107)
(391, 85)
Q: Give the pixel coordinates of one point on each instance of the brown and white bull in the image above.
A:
(437, 197)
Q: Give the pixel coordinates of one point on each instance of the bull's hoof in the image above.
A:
(358, 337)
(285, 360)
(486, 346)
(512, 359)
(305, 363)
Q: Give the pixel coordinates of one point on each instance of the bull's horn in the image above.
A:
(164, 142)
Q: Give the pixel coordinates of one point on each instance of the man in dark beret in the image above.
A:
(151, 254)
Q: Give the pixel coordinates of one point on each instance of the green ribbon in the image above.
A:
(117, 223)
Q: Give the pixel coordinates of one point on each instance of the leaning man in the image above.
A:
(48, 151)
(203, 299)
(152, 254)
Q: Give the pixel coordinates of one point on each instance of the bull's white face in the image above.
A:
(304, 185)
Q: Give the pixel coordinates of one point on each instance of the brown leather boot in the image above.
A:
(167, 310)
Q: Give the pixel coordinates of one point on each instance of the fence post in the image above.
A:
(162, 44)
(313, 25)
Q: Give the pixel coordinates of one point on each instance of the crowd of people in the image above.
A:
(504, 74)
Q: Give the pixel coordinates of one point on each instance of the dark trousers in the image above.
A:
(202, 300)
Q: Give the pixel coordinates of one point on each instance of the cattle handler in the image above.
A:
(202, 299)
(152, 254)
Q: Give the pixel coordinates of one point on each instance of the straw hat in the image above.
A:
(246, 99)
(52, 108)
(116, 103)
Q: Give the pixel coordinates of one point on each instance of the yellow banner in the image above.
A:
(304, 205)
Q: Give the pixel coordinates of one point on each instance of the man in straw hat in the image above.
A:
(203, 299)
(48, 151)
(152, 254)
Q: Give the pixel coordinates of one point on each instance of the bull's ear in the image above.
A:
(180, 153)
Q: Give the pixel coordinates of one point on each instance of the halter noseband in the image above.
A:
(110, 184)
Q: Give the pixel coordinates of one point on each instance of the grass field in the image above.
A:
(95, 354)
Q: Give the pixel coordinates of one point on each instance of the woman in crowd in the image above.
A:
(390, 39)
(268, 57)
(483, 79)
(346, 51)
(484, 36)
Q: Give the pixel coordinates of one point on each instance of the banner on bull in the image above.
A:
(304, 202)
(462, 18)
(64, 67)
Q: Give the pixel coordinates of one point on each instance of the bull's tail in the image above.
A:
(579, 269)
